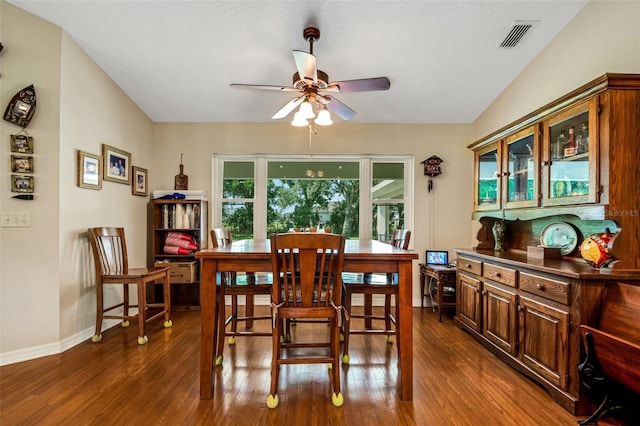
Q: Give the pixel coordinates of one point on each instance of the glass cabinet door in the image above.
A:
(570, 161)
(488, 174)
(522, 171)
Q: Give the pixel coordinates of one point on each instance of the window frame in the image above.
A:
(261, 177)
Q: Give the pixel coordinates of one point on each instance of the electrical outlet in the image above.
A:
(16, 219)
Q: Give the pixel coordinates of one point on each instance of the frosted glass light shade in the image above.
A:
(299, 120)
(324, 118)
(306, 110)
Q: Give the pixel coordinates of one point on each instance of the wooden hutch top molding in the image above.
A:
(598, 85)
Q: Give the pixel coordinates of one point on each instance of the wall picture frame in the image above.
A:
(22, 183)
(21, 164)
(89, 170)
(140, 179)
(22, 144)
(116, 165)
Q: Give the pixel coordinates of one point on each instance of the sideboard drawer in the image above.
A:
(500, 274)
(468, 265)
(544, 287)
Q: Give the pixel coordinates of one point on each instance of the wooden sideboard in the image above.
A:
(528, 312)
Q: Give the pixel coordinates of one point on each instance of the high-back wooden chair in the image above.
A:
(369, 286)
(234, 288)
(307, 285)
(109, 250)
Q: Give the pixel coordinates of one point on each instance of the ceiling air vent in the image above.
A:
(518, 32)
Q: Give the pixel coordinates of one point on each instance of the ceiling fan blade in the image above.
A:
(306, 64)
(361, 85)
(340, 109)
(265, 87)
(285, 110)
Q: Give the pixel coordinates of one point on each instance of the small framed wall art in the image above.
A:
(89, 170)
(139, 186)
(22, 164)
(22, 144)
(22, 183)
(116, 165)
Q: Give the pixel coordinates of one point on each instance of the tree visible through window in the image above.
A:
(305, 194)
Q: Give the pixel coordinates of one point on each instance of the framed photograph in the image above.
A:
(89, 169)
(22, 183)
(139, 186)
(21, 164)
(117, 165)
(22, 144)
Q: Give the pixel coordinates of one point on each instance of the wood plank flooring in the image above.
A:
(118, 382)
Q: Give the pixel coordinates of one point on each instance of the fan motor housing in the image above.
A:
(323, 80)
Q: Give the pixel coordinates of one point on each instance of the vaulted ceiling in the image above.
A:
(176, 59)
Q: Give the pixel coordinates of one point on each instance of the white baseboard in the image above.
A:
(55, 348)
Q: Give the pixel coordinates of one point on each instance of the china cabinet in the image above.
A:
(574, 157)
(564, 172)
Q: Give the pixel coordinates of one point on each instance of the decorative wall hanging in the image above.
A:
(117, 165)
(181, 181)
(21, 107)
(139, 186)
(22, 143)
(22, 183)
(22, 164)
(89, 169)
(432, 169)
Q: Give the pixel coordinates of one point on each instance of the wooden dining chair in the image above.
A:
(307, 285)
(370, 285)
(109, 250)
(234, 287)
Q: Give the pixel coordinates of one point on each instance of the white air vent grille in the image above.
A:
(518, 32)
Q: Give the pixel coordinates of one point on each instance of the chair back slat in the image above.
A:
(220, 237)
(400, 238)
(109, 251)
(307, 269)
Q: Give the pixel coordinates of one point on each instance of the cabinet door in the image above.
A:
(520, 184)
(499, 316)
(468, 305)
(544, 333)
(488, 175)
(570, 156)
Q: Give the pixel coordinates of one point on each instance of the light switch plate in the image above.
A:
(16, 219)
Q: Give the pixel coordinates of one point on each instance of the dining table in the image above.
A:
(254, 255)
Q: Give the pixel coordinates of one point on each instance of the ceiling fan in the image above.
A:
(311, 83)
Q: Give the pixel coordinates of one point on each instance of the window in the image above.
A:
(354, 196)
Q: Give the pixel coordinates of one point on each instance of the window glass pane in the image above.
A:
(386, 219)
(388, 181)
(238, 180)
(304, 194)
(238, 218)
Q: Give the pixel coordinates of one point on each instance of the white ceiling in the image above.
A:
(176, 58)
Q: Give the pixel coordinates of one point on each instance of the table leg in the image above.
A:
(405, 330)
(208, 325)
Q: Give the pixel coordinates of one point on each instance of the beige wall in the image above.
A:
(29, 265)
(47, 295)
(604, 37)
(46, 288)
(441, 217)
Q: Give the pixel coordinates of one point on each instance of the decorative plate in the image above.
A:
(560, 234)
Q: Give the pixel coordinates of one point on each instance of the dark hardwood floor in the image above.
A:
(118, 382)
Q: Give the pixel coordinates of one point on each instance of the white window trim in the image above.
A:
(260, 201)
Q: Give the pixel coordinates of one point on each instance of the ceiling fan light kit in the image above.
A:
(310, 82)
